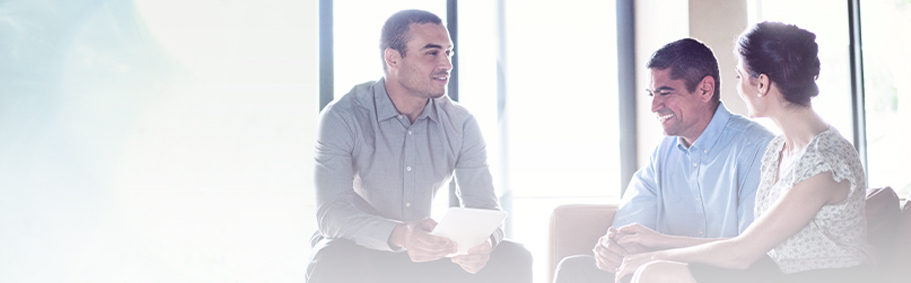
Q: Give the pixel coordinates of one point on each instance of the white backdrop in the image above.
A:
(156, 141)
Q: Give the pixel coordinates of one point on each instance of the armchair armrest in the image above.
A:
(575, 229)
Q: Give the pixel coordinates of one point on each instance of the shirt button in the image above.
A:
(409, 132)
(407, 204)
(401, 116)
(701, 232)
(705, 151)
(698, 199)
(694, 164)
(408, 168)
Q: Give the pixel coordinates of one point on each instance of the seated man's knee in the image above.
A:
(523, 255)
(663, 271)
(334, 259)
(576, 264)
(515, 253)
(509, 262)
(580, 268)
(336, 249)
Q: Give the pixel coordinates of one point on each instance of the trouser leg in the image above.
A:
(579, 269)
(509, 262)
(335, 260)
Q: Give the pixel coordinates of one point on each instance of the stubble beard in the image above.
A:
(437, 95)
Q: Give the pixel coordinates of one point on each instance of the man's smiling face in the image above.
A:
(679, 111)
(425, 67)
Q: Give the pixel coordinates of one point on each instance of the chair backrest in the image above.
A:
(883, 214)
(901, 259)
(575, 229)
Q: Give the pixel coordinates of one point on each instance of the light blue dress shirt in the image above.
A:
(707, 190)
(375, 169)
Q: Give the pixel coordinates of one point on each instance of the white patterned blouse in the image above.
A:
(837, 236)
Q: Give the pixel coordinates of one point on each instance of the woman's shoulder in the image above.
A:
(773, 149)
(830, 144)
(830, 151)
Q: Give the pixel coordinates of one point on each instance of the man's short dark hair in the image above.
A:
(690, 60)
(395, 33)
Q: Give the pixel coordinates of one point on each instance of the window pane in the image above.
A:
(561, 109)
(830, 24)
(477, 71)
(561, 82)
(887, 91)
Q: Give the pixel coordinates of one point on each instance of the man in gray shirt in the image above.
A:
(383, 152)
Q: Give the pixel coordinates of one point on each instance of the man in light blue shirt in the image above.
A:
(705, 190)
(701, 179)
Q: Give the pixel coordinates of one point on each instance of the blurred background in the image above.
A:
(172, 141)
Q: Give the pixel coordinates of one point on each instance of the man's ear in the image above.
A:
(392, 57)
(706, 88)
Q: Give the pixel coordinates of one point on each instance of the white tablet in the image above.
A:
(468, 227)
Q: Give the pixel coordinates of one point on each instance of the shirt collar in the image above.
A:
(385, 109)
(430, 110)
(712, 132)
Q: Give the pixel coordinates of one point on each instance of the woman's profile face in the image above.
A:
(747, 89)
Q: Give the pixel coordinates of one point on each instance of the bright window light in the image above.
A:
(157, 141)
(887, 91)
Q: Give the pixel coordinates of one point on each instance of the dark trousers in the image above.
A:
(340, 260)
(581, 269)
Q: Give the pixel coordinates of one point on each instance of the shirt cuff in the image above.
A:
(377, 236)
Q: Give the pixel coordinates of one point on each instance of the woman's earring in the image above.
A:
(758, 95)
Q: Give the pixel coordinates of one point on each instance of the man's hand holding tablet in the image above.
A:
(468, 227)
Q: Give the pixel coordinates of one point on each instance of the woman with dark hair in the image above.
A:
(810, 224)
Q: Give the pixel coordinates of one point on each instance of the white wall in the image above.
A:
(156, 141)
(718, 23)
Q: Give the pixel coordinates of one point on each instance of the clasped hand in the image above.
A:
(617, 244)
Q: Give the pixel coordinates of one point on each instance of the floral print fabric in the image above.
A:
(837, 236)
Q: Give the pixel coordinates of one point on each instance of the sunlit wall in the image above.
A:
(887, 92)
(156, 141)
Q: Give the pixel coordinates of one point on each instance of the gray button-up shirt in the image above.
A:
(375, 169)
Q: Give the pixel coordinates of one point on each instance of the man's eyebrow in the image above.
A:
(664, 88)
(660, 89)
(431, 46)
